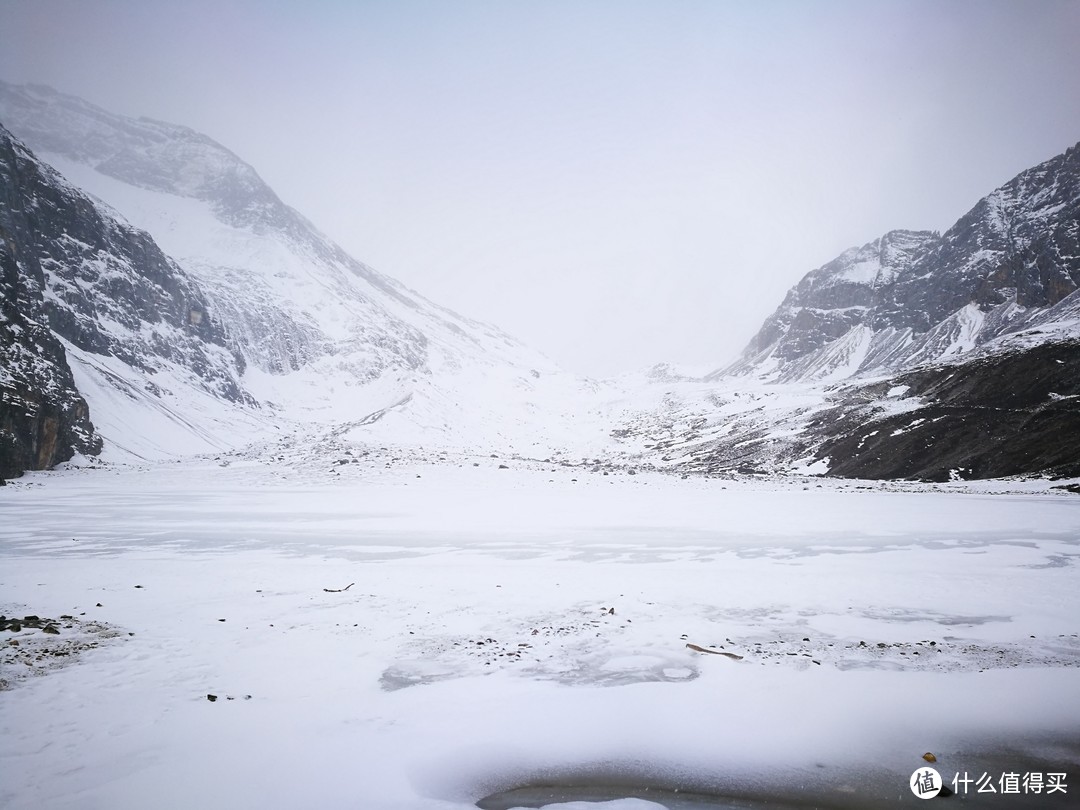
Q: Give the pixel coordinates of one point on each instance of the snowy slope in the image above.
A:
(324, 337)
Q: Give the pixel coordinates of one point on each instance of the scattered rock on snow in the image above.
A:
(34, 654)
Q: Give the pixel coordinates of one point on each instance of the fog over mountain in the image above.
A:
(655, 178)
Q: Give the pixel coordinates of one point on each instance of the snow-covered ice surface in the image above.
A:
(424, 634)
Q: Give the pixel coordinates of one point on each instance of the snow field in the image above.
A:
(414, 688)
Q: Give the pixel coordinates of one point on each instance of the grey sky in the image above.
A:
(617, 183)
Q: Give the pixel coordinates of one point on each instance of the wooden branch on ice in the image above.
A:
(696, 648)
(339, 590)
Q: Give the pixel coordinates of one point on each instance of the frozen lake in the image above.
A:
(430, 635)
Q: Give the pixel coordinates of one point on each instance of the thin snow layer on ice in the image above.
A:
(428, 635)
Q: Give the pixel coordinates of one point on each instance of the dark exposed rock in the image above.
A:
(1004, 415)
(30, 622)
(43, 419)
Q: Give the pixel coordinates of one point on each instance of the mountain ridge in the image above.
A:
(1013, 256)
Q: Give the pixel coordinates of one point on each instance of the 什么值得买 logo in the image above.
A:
(925, 783)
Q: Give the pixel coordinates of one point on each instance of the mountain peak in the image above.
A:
(143, 152)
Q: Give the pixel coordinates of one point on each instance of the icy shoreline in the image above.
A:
(505, 626)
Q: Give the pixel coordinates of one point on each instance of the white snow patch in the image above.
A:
(476, 647)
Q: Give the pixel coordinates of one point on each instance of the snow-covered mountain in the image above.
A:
(1007, 273)
(917, 355)
(317, 336)
(184, 308)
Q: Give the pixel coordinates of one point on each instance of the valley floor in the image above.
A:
(425, 633)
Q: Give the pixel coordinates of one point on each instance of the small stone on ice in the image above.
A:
(929, 757)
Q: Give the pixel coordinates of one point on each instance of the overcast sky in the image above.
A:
(617, 183)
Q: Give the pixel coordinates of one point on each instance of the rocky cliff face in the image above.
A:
(910, 298)
(75, 273)
(43, 419)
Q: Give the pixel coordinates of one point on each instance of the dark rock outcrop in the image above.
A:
(43, 419)
(1011, 414)
(1014, 412)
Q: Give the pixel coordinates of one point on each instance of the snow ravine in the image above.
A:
(428, 634)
